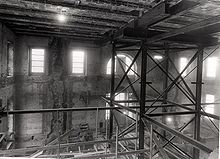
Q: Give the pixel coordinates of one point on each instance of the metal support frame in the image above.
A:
(112, 90)
(162, 97)
(198, 102)
(165, 84)
(142, 98)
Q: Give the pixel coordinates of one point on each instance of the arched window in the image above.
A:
(126, 62)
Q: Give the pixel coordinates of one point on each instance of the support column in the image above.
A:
(198, 101)
(142, 98)
(112, 90)
(165, 84)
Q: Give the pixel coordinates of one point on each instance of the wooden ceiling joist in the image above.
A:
(74, 34)
(28, 20)
(53, 17)
(56, 9)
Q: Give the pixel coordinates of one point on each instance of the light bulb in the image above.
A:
(61, 18)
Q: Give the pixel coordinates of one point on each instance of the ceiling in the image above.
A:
(96, 20)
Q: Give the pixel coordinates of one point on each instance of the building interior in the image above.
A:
(109, 79)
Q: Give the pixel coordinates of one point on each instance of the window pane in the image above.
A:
(77, 62)
(77, 70)
(211, 66)
(37, 60)
(38, 63)
(78, 54)
(37, 69)
(78, 65)
(209, 108)
(183, 63)
(37, 52)
(78, 59)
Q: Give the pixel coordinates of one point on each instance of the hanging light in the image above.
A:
(62, 18)
(169, 119)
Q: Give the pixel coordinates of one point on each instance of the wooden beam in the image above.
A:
(15, 26)
(74, 38)
(51, 146)
(75, 32)
(59, 32)
(28, 20)
(156, 140)
(184, 30)
(193, 142)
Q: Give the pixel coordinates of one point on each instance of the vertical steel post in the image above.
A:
(112, 90)
(96, 123)
(136, 129)
(198, 101)
(58, 133)
(151, 141)
(142, 98)
(116, 143)
(165, 84)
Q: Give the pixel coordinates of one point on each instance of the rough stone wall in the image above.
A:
(6, 83)
(56, 89)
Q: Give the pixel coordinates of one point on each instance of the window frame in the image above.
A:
(130, 73)
(30, 60)
(9, 43)
(84, 62)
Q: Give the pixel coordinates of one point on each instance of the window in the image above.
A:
(158, 57)
(78, 58)
(109, 67)
(10, 59)
(107, 112)
(211, 66)
(183, 63)
(37, 60)
(209, 99)
(126, 62)
(120, 96)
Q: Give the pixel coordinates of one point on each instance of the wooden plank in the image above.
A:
(156, 141)
(193, 142)
(66, 134)
(51, 146)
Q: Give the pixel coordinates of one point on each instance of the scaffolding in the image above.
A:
(146, 109)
